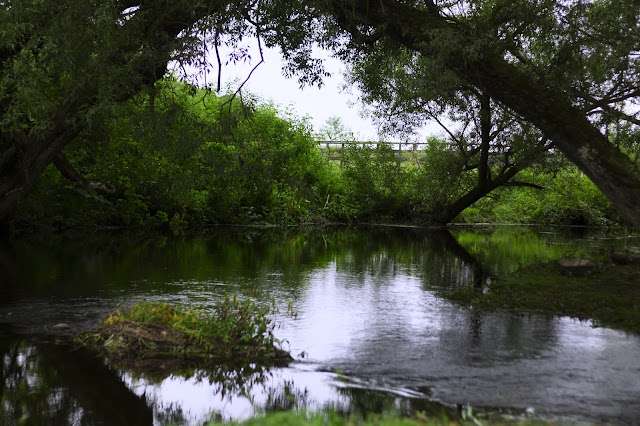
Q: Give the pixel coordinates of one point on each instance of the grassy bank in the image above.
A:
(610, 295)
(235, 332)
(467, 417)
(335, 419)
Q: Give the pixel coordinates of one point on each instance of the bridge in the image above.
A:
(334, 149)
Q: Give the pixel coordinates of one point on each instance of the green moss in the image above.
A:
(610, 296)
(235, 331)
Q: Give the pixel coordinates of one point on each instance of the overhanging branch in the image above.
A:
(523, 184)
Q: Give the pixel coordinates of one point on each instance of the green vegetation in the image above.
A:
(389, 419)
(193, 159)
(377, 186)
(236, 332)
(565, 197)
(336, 419)
(522, 81)
(610, 296)
(182, 157)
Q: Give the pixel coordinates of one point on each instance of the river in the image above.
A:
(359, 308)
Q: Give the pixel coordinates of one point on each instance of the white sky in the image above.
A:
(268, 82)
(332, 100)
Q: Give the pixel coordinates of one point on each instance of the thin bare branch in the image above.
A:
(215, 44)
(233, 96)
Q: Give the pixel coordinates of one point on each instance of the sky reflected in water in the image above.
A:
(358, 308)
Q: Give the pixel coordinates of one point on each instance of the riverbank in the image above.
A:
(608, 296)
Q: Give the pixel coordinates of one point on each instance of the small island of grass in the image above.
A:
(234, 332)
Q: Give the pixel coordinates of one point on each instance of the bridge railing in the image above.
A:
(395, 145)
(333, 149)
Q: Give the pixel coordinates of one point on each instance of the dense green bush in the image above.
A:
(179, 156)
(568, 198)
(375, 182)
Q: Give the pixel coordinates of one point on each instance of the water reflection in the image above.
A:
(50, 384)
(367, 317)
(47, 383)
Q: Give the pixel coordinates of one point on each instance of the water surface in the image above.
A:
(358, 308)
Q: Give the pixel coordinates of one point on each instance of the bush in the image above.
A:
(196, 158)
(569, 198)
(376, 182)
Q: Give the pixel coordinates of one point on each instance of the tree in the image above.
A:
(334, 130)
(570, 68)
(64, 64)
(486, 146)
(560, 66)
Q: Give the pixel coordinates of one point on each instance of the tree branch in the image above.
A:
(230, 100)
(525, 184)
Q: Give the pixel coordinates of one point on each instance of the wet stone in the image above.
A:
(574, 266)
(625, 258)
(61, 326)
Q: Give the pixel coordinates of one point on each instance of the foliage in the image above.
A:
(335, 130)
(439, 179)
(568, 197)
(237, 331)
(180, 156)
(415, 61)
(375, 181)
(513, 74)
(197, 169)
(378, 186)
(543, 74)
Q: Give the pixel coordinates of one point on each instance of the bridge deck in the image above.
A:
(333, 149)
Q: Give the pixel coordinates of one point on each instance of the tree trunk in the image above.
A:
(67, 170)
(485, 140)
(26, 158)
(485, 183)
(23, 163)
(449, 212)
(545, 107)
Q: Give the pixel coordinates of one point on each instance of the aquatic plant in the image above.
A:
(609, 296)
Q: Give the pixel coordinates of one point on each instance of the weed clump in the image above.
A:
(235, 332)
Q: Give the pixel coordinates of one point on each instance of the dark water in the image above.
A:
(369, 332)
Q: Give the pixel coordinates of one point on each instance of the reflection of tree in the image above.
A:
(49, 384)
(503, 250)
(451, 245)
(286, 397)
(364, 401)
(400, 328)
(353, 399)
(173, 414)
(513, 334)
(235, 379)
